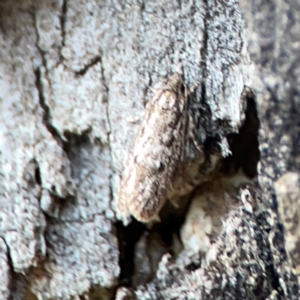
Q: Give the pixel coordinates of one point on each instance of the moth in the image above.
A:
(150, 175)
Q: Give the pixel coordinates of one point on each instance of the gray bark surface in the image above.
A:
(274, 48)
(74, 80)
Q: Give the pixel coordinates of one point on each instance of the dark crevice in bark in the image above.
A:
(127, 238)
(31, 173)
(11, 268)
(47, 111)
(72, 147)
(162, 232)
(37, 175)
(172, 219)
(63, 20)
(244, 145)
(91, 63)
(204, 50)
(40, 87)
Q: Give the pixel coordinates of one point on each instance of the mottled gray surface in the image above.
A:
(74, 78)
(56, 214)
(248, 260)
(274, 46)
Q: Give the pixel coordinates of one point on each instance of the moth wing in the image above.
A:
(152, 161)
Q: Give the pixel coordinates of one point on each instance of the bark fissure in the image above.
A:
(46, 109)
(47, 118)
(90, 64)
(63, 20)
(244, 145)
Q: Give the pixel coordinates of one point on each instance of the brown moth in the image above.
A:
(149, 173)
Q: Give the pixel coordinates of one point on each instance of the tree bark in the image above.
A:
(75, 80)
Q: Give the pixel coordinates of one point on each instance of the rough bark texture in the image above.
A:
(274, 48)
(74, 80)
